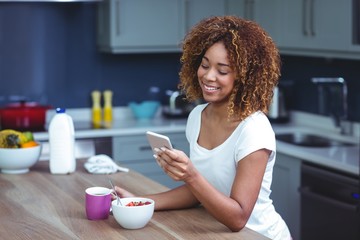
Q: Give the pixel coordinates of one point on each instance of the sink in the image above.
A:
(310, 140)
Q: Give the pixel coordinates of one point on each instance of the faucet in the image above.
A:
(337, 101)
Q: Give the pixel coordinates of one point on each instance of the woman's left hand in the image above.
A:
(121, 192)
(176, 164)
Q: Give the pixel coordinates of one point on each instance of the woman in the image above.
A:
(233, 65)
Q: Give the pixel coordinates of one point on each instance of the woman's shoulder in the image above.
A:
(258, 117)
(200, 107)
(257, 121)
(193, 122)
(197, 110)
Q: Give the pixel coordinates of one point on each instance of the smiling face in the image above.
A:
(215, 75)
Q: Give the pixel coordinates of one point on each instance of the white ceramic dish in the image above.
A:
(18, 160)
(133, 217)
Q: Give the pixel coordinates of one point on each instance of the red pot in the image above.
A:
(23, 116)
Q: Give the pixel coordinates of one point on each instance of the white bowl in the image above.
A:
(133, 217)
(18, 160)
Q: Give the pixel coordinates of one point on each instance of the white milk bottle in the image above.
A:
(62, 141)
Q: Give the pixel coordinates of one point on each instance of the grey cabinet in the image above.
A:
(126, 26)
(196, 10)
(129, 26)
(135, 153)
(321, 28)
(285, 194)
(318, 25)
(268, 14)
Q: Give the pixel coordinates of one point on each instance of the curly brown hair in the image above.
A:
(252, 55)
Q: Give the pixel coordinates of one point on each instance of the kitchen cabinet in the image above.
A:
(285, 194)
(322, 28)
(134, 152)
(266, 13)
(125, 26)
(319, 28)
(318, 25)
(196, 10)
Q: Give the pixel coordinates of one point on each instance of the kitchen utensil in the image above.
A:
(145, 109)
(178, 106)
(23, 116)
(278, 112)
(117, 197)
(19, 160)
(133, 217)
(96, 109)
(108, 114)
(97, 203)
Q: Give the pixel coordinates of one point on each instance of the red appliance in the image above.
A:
(23, 116)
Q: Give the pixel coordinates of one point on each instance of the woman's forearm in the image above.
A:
(226, 210)
(177, 198)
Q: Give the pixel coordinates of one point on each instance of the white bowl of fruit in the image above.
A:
(18, 151)
(133, 212)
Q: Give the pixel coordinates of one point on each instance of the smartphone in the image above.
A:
(158, 141)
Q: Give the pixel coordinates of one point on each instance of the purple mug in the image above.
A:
(97, 203)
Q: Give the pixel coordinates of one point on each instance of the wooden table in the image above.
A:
(39, 205)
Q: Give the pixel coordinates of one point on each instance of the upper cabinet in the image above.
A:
(268, 14)
(196, 10)
(320, 28)
(128, 26)
(140, 26)
(323, 28)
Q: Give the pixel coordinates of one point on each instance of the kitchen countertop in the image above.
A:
(344, 158)
(40, 205)
(123, 127)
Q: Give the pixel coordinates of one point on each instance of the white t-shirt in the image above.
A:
(218, 166)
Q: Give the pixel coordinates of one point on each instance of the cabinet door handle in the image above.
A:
(148, 148)
(312, 28)
(145, 148)
(249, 9)
(304, 18)
(117, 16)
(306, 191)
(252, 3)
(185, 5)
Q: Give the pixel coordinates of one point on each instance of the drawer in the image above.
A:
(131, 148)
(144, 166)
(137, 147)
(152, 170)
(166, 180)
(135, 153)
